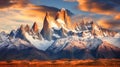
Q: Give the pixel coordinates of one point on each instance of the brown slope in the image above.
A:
(107, 50)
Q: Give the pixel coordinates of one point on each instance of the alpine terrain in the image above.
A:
(60, 38)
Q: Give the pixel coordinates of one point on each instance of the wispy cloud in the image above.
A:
(102, 7)
(13, 3)
(13, 13)
(112, 24)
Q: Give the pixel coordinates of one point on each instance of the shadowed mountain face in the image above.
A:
(24, 54)
(106, 50)
(59, 39)
(35, 28)
(77, 49)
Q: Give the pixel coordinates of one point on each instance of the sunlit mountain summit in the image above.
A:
(60, 38)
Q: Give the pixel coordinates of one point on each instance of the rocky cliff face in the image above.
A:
(60, 38)
(46, 31)
(35, 28)
(62, 17)
(20, 32)
(107, 50)
(27, 28)
(99, 31)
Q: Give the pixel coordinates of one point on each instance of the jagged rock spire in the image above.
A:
(35, 27)
(27, 28)
(22, 29)
(20, 32)
(46, 20)
(62, 15)
(46, 32)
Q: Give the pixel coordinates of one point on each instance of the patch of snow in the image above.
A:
(3, 37)
(4, 44)
(87, 34)
(96, 28)
(59, 45)
(53, 25)
(39, 44)
(15, 43)
(112, 40)
(60, 21)
(56, 35)
(65, 28)
(93, 43)
(117, 35)
(18, 42)
(72, 42)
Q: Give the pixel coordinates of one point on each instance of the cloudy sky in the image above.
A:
(16, 12)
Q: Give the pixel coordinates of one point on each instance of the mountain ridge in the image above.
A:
(60, 38)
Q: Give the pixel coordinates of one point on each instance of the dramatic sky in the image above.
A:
(16, 12)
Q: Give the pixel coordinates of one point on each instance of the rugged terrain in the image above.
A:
(60, 38)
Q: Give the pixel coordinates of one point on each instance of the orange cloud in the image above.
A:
(104, 7)
(13, 3)
(23, 15)
(97, 6)
(109, 24)
(117, 17)
(104, 24)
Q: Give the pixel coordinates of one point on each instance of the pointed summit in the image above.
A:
(46, 23)
(22, 29)
(35, 27)
(20, 32)
(47, 20)
(63, 18)
(46, 32)
(27, 28)
(61, 14)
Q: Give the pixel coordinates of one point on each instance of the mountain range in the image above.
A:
(60, 38)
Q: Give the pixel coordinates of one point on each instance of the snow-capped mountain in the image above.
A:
(46, 30)
(106, 50)
(75, 47)
(99, 31)
(60, 38)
